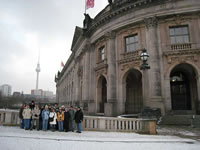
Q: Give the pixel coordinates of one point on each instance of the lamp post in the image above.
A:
(144, 66)
(144, 57)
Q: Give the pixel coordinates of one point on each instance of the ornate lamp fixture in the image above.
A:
(144, 57)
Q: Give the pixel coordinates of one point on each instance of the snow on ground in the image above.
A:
(179, 131)
(13, 138)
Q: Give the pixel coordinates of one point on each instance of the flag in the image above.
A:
(62, 64)
(89, 4)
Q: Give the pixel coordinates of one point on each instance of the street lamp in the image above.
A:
(144, 57)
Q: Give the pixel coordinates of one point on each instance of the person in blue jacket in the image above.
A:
(45, 118)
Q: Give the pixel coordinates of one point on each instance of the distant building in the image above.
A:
(5, 90)
(16, 94)
(38, 92)
(42, 94)
(28, 96)
(47, 94)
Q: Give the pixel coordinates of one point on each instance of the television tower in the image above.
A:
(38, 71)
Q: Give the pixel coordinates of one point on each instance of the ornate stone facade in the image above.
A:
(102, 74)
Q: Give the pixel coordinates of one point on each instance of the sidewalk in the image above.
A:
(181, 131)
(13, 138)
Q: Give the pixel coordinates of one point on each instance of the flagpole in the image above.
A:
(85, 6)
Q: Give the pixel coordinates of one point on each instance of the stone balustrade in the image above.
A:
(146, 126)
(130, 57)
(95, 123)
(9, 117)
(134, 54)
(184, 46)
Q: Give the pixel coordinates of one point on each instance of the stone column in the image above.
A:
(154, 61)
(167, 88)
(92, 82)
(78, 78)
(86, 76)
(111, 83)
(198, 92)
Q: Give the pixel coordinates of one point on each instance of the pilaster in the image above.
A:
(111, 83)
(198, 91)
(152, 48)
(154, 99)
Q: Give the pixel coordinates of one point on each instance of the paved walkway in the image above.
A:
(13, 138)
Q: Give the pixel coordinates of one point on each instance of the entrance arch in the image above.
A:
(134, 100)
(183, 86)
(101, 94)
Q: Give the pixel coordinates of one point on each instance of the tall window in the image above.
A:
(102, 53)
(131, 43)
(179, 34)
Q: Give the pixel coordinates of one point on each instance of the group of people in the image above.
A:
(50, 117)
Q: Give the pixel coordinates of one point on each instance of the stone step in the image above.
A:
(177, 120)
(196, 121)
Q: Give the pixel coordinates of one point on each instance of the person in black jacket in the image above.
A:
(32, 105)
(66, 120)
(78, 119)
(71, 119)
(21, 116)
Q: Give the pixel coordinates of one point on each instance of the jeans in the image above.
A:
(71, 125)
(26, 124)
(22, 123)
(35, 122)
(60, 125)
(44, 124)
(52, 127)
(79, 128)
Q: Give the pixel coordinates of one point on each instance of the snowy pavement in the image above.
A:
(13, 138)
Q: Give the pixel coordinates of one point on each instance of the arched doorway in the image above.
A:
(183, 86)
(101, 94)
(134, 101)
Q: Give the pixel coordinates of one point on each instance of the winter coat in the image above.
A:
(60, 116)
(71, 115)
(36, 113)
(53, 114)
(66, 121)
(78, 116)
(66, 116)
(32, 106)
(20, 112)
(27, 113)
(45, 115)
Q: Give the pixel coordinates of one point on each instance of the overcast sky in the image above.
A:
(29, 25)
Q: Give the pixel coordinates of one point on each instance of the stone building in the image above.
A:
(103, 72)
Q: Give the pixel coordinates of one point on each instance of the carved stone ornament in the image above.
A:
(128, 66)
(101, 72)
(86, 47)
(151, 22)
(129, 31)
(80, 71)
(178, 20)
(110, 2)
(173, 59)
(110, 35)
(100, 43)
